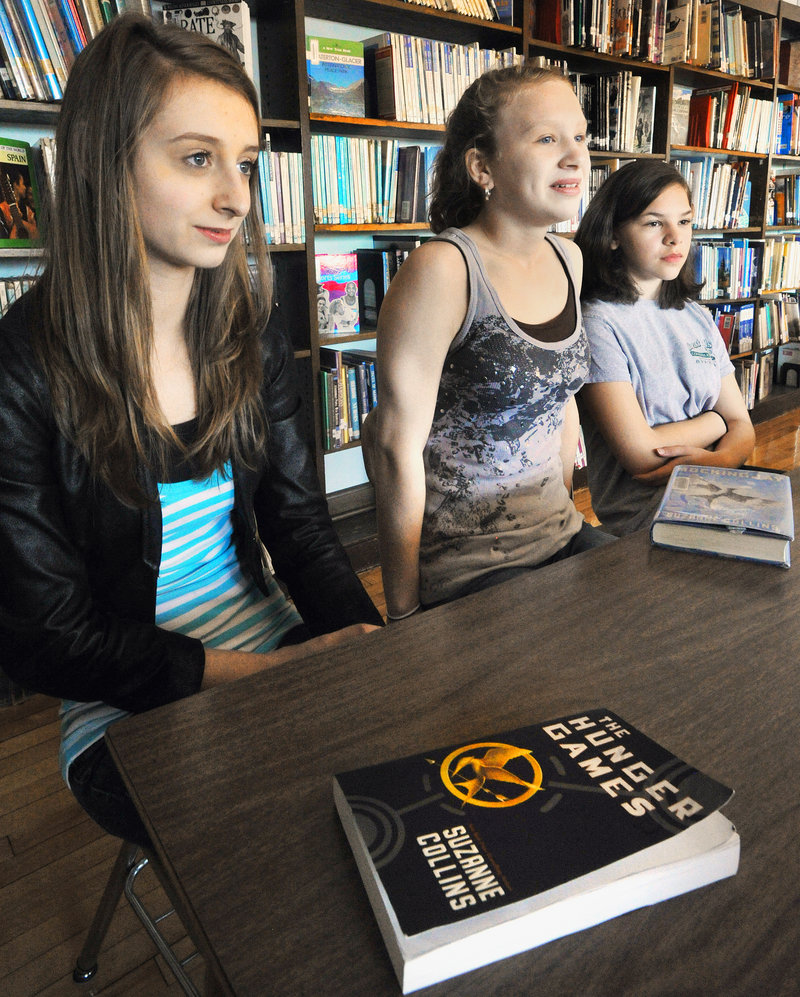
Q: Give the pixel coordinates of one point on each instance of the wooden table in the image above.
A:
(700, 653)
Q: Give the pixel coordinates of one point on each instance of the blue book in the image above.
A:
(741, 512)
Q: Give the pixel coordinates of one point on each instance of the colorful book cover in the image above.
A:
(19, 196)
(453, 834)
(733, 512)
(337, 293)
(227, 23)
(335, 70)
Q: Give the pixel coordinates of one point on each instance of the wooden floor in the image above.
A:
(54, 860)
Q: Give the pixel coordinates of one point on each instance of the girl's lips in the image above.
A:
(672, 258)
(221, 235)
(567, 186)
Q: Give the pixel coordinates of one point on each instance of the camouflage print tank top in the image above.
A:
(495, 493)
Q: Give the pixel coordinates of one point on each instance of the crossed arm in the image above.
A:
(722, 436)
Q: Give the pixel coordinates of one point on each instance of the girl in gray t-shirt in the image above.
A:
(661, 390)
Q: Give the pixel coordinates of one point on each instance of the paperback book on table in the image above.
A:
(486, 848)
(739, 512)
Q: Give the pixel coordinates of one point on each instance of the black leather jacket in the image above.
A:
(78, 569)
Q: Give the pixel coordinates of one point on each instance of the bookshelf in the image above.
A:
(279, 31)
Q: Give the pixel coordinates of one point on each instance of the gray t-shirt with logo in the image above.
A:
(675, 360)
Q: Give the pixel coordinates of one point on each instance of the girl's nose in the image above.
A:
(233, 193)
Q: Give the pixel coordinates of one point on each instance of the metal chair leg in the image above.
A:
(86, 963)
(151, 923)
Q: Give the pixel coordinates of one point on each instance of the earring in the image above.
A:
(487, 193)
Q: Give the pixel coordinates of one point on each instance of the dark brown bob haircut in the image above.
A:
(625, 195)
(456, 200)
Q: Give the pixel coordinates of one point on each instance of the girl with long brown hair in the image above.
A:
(151, 439)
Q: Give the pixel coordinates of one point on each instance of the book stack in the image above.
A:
(664, 32)
(784, 204)
(780, 269)
(349, 392)
(619, 111)
(484, 10)
(369, 181)
(376, 269)
(735, 323)
(787, 124)
(729, 117)
(280, 177)
(730, 269)
(12, 288)
(720, 191)
(421, 79)
(484, 849)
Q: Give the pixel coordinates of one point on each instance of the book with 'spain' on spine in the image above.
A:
(489, 847)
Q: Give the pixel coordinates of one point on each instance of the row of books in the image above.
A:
(349, 392)
(377, 268)
(755, 376)
(784, 201)
(728, 269)
(735, 324)
(706, 34)
(421, 79)
(787, 125)
(619, 111)
(719, 36)
(485, 10)
(720, 191)
(780, 268)
(369, 181)
(729, 117)
(280, 176)
(40, 39)
(12, 288)
(615, 27)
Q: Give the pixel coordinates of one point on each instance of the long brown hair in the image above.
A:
(95, 334)
(456, 200)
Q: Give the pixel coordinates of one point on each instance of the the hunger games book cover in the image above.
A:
(479, 850)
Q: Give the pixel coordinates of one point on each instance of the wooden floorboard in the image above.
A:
(54, 861)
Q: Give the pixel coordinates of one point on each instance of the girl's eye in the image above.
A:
(546, 139)
(580, 138)
(198, 159)
(247, 166)
(686, 221)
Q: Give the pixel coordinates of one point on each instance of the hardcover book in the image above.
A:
(738, 512)
(227, 23)
(478, 851)
(335, 70)
(19, 196)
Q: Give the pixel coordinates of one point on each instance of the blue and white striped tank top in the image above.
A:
(201, 592)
